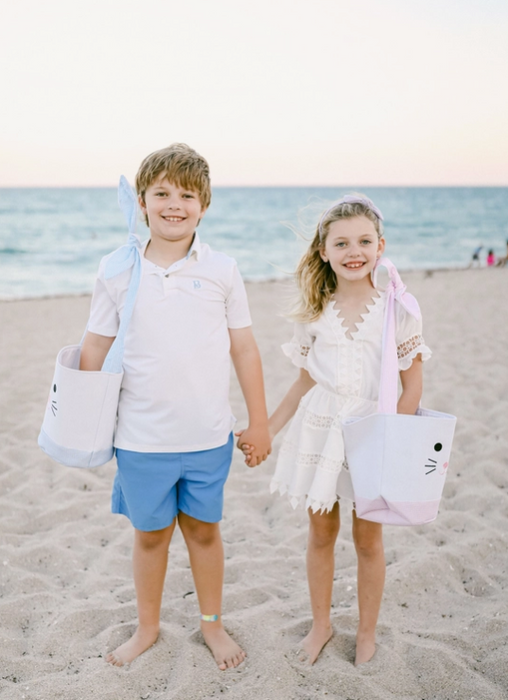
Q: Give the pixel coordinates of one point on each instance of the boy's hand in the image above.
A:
(255, 442)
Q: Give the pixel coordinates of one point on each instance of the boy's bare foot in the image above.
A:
(365, 648)
(141, 640)
(313, 643)
(225, 650)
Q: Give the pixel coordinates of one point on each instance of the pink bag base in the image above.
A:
(397, 512)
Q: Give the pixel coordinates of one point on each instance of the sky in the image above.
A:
(272, 92)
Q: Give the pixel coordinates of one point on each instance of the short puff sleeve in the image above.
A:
(299, 346)
(410, 342)
(104, 318)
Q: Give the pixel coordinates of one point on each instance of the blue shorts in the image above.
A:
(151, 488)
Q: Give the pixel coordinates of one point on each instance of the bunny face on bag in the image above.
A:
(436, 465)
(399, 472)
(52, 404)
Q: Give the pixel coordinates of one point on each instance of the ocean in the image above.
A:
(51, 240)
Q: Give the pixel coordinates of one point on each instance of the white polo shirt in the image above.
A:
(175, 390)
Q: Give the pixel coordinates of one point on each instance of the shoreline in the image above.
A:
(272, 280)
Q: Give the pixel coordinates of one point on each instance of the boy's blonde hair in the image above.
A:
(182, 166)
(315, 278)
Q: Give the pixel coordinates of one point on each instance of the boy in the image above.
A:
(174, 441)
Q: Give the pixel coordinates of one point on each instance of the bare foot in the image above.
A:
(141, 640)
(365, 648)
(313, 643)
(226, 652)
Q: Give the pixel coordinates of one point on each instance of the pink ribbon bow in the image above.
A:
(395, 291)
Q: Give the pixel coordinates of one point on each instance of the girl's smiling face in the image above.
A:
(352, 248)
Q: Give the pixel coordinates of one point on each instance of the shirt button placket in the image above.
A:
(169, 282)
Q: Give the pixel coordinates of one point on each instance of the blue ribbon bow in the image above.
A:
(126, 257)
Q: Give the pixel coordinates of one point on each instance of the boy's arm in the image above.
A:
(94, 351)
(412, 387)
(247, 362)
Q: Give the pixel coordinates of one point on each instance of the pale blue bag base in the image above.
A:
(72, 457)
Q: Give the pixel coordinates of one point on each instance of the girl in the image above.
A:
(337, 346)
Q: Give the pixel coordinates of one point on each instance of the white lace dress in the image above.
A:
(310, 465)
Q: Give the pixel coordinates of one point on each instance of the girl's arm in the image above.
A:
(94, 351)
(287, 407)
(282, 414)
(412, 387)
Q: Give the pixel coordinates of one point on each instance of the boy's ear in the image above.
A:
(141, 203)
(203, 212)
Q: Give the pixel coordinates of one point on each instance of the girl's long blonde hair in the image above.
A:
(315, 279)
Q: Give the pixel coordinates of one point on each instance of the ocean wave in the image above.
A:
(12, 251)
(426, 228)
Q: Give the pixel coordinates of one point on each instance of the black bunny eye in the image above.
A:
(54, 388)
(438, 447)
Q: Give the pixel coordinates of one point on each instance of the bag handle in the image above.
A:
(129, 255)
(395, 291)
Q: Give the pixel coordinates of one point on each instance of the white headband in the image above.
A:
(350, 199)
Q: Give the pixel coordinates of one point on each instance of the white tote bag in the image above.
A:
(80, 417)
(398, 463)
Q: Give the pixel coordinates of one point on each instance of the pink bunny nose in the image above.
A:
(445, 465)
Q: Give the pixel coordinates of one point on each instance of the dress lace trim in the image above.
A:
(315, 505)
(418, 348)
(405, 348)
(297, 352)
(320, 422)
(311, 460)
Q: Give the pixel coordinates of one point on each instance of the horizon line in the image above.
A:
(273, 186)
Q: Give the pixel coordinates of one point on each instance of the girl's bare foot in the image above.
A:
(314, 642)
(142, 639)
(225, 650)
(365, 648)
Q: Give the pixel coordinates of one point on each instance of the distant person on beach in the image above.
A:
(174, 437)
(337, 346)
(501, 262)
(475, 260)
(491, 258)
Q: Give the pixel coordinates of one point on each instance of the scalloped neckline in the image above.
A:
(350, 334)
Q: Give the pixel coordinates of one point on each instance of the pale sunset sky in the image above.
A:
(271, 92)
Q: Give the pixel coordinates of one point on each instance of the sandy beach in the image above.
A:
(66, 590)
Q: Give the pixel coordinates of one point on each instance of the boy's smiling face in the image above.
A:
(173, 212)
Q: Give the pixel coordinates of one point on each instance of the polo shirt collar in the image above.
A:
(194, 251)
(195, 248)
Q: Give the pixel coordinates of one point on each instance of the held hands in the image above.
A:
(255, 443)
